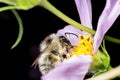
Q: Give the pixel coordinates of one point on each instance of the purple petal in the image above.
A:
(107, 18)
(85, 12)
(74, 68)
(70, 29)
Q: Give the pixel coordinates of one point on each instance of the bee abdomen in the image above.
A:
(45, 68)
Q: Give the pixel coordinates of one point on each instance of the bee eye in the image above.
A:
(62, 38)
(65, 41)
(54, 52)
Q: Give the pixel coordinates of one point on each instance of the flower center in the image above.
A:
(84, 46)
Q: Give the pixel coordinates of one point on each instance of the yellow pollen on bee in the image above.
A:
(84, 46)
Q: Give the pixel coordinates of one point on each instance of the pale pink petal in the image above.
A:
(107, 18)
(74, 68)
(73, 32)
(85, 12)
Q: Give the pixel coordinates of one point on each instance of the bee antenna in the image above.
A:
(70, 33)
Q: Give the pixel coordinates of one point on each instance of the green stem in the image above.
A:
(20, 29)
(109, 75)
(111, 39)
(7, 8)
(45, 4)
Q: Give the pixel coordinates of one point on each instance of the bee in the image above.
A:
(52, 51)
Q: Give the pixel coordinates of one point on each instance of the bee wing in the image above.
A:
(47, 41)
(43, 47)
(46, 45)
(35, 63)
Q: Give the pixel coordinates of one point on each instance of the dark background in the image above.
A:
(38, 23)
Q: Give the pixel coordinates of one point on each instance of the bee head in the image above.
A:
(65, 41)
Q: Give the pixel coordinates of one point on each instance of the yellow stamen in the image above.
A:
(84, 46)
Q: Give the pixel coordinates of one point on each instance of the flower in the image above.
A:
(76, 67)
